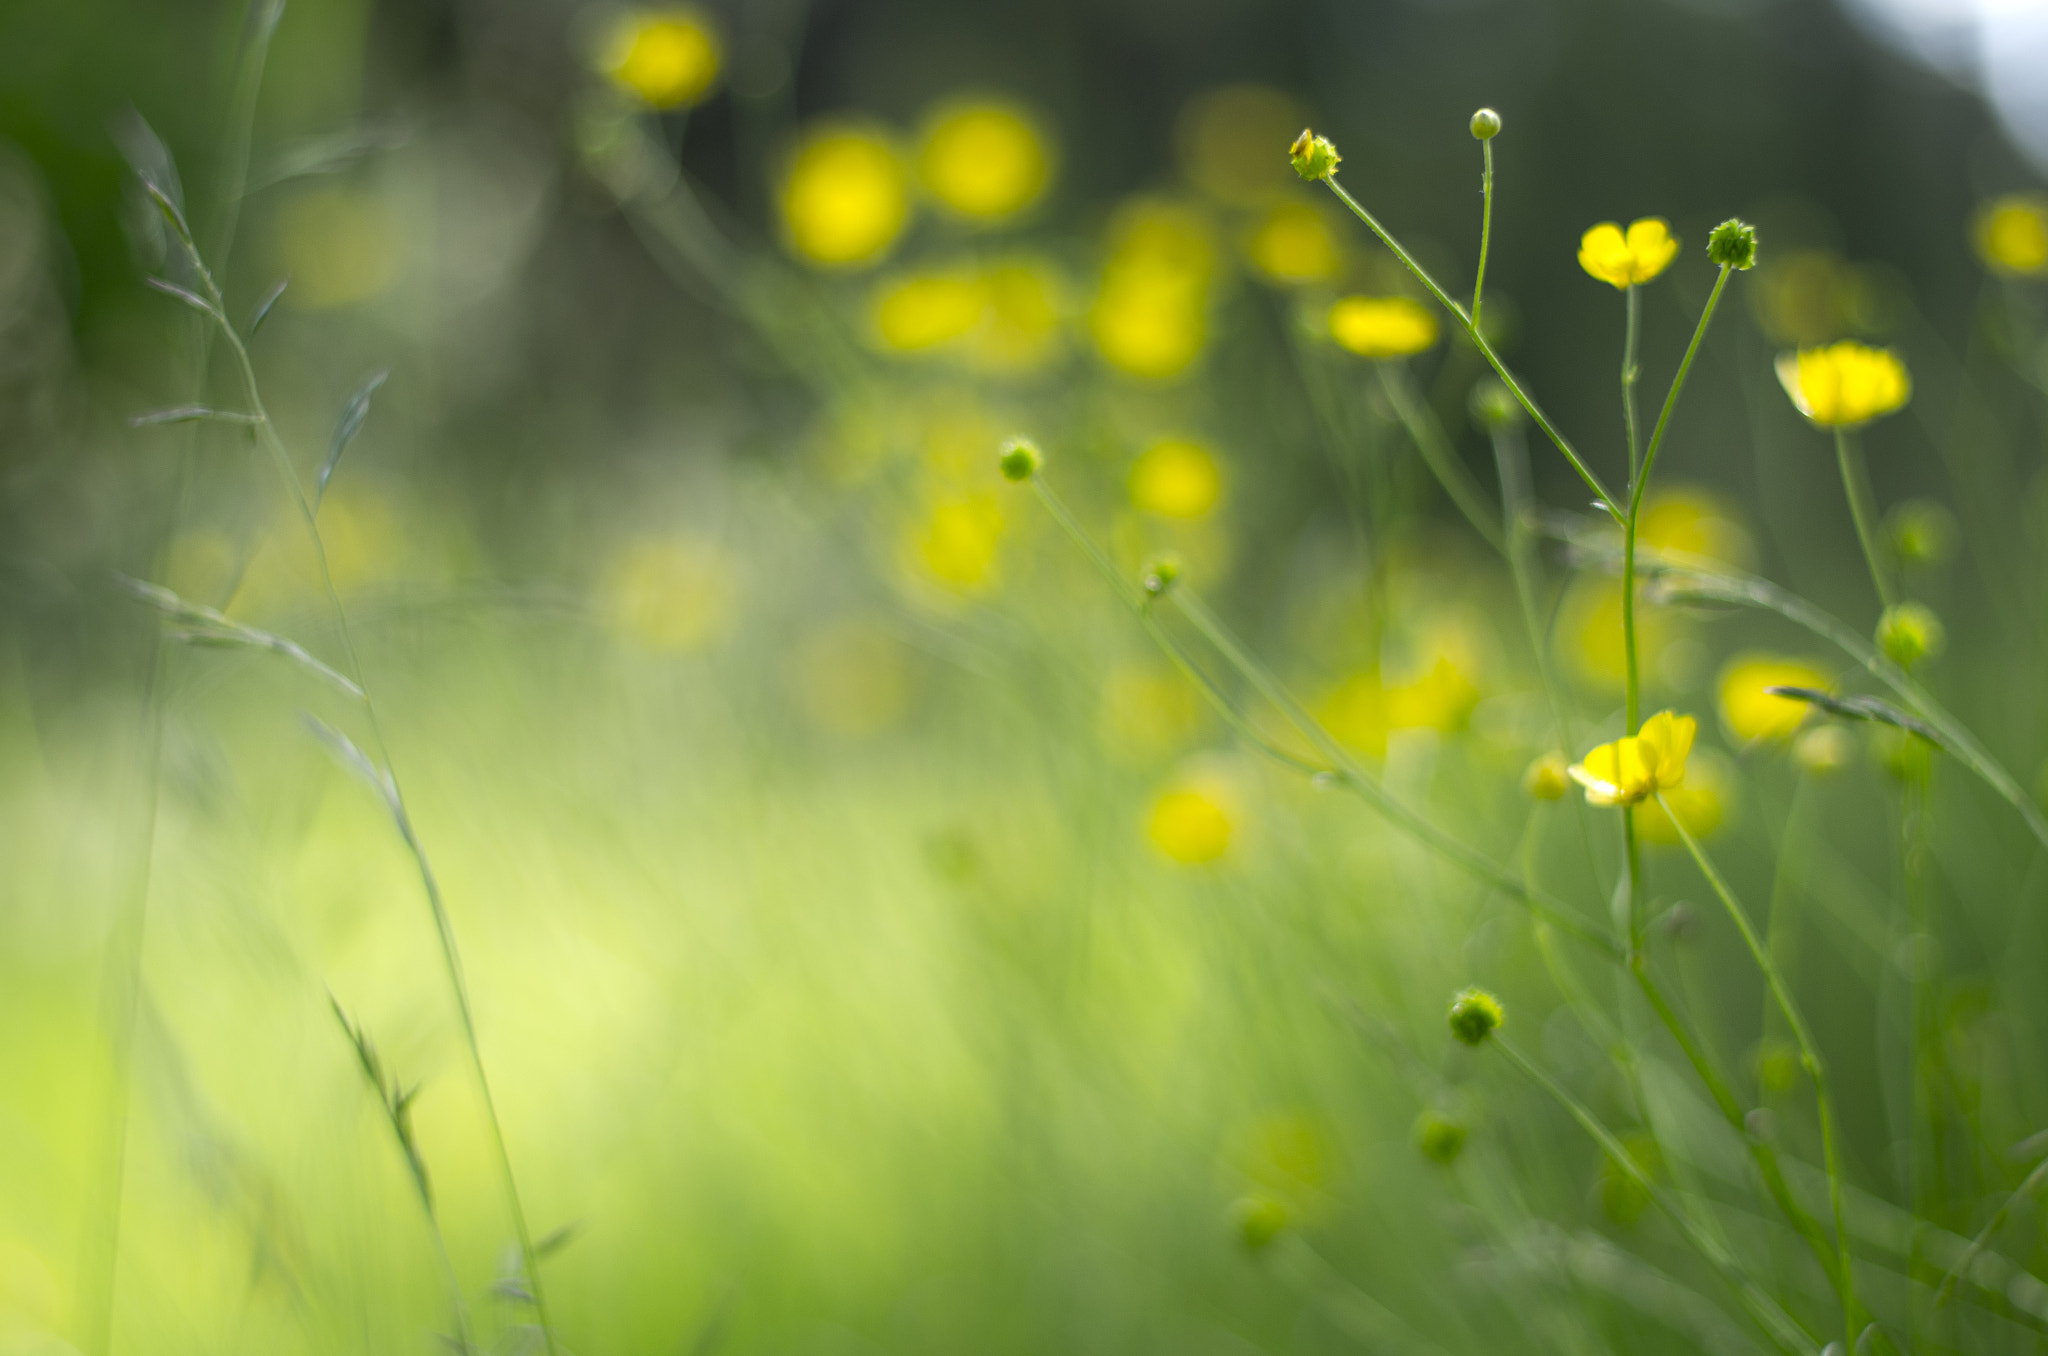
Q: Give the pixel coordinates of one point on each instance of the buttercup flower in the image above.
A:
(2012, 234)
(984, 159)
(1189, 827)
(1844, 384)
(1294, 244)
(667, 57)
(846, 197)
(1751, 713)
(1632, 769)
(1382, 327)
(1175, 478)
(1627, 259)
(1314, 157)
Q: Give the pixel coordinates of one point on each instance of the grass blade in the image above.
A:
(352, 416)
(263, 308)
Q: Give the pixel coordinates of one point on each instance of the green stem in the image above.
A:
(1465, 321)
(1947, 1288)
(1342, 768)
(1630, 370)
(1438, 454)
(1809, 1053)
(1775, 1322)
(1485, 227)
(1863, 508)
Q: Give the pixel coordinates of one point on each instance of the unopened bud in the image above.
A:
(1314, 157)
(1547, 778)
(1021, 459)
(1439, 1138)
(1159, 574)
(1485, 124)
(1909, 633)
(1494, 406)
(1475, 1015)
(1732, 244)
(1259, 1220)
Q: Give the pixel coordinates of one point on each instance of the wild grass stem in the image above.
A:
(1863, 509)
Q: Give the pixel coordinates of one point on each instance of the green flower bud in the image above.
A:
(1159, 574)
(1907, 757)
(1439, 1138)
(1493, 405)
(1546, 778)
(1259, 1220)
(1021, 459)
(1823, 749)
(1777, 1066)
(1475, 1014)
(1314, 157)
(1922, 532)
(1485, 124)
(1732, 244)
(1909, 633)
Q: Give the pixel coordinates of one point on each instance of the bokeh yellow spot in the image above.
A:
(1844, 384)
(670, 594)
(1151, 317)
(1226, 141)
(955, 544)
(846, 197)
(1440, 699)
(1749, 712)
(985, 159)
(1293, 243)
(1687, 522)
(1189, 826)
(1590, 625)
(1624, 259)
(1356, 713)
(2012, 234)
(1704, 804)
(1382, 327)
(853, 678)
(339, 246)
(1807, 297)
(666, 57)
(925, 310)
(1175, 478)
(1026, 307)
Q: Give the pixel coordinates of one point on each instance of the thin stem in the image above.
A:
(1342, 768)
(1630, 370)
(1542, 421)
(1863, 508)
(1438, 454)
(1946, 1290)
(1485, 227)
(1809, 1053)
(1776, 1323)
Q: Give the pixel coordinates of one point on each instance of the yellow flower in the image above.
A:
(846, 197)
(1625, 260)
(1175, 478)
(925, 310)
(1356, 713)
(667, 57)
(1844, 384)
(1151, 317)
(1634, 768)
(1441, 699)
(1702, 805)
(1546, 778)
(1293, 243)
(955, 545)
(982, 159)
(672, 594)
(1749, 712)
(1189, 826)
(1686, 521)
(1382, 327)
(2012, 234)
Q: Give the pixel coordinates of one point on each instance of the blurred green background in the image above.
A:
(875, 944)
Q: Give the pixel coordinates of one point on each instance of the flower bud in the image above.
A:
(1159, 574)
(1909, 633)
(1438, 1137)
(1021, 459)
(1546, 778)
(1475, 1014)
(1732, 244)
(1485, 124)
(1314, 157)
(1259, 1220)
(1824, 749)
(1922, 532)
(1493, 405)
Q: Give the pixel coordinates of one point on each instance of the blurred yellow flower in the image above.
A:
(1703, 804)
(1225, 140)
(1749, 712)
(1189, 826)
(1824, 749)
(1590, 624)
(1844, 384)
(1382, 327)
(1175, 478)
(2012, 234)
(670, 594)
(1293, 243)
(1441, 699)
(667, 57)
(955, 544)
(1684, 521)
(984, 159)
(925, 310)
(1632, 769)
(846, 197)
(1627, 259)
(1151, 317)
(1546, 777)
(1356, 713)
(339, 246)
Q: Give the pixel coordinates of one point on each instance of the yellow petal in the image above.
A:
(1600, 774)
(1651, 246)
(1382, 327)
(1665, 741)
(1604, 253)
